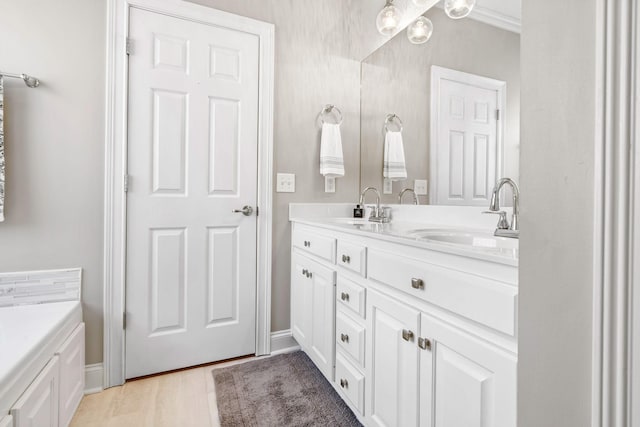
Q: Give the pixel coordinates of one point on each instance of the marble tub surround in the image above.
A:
(37, 287)
(411, 224)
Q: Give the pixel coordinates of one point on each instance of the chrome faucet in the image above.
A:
(415, 196)
(377, 214)
(504, 229)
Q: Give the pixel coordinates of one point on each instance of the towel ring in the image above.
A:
(331, 108)
(391, 118)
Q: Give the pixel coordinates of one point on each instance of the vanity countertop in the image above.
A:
(409, 233)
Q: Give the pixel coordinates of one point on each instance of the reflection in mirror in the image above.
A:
(460, 145)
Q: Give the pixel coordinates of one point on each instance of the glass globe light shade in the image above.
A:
(388, 19)
(457, 9)
(420, 30)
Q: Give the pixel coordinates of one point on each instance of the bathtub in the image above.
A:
(38, 339)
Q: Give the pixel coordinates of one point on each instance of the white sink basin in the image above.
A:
(476, 239)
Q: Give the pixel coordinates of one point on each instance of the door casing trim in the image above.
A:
(115, 207)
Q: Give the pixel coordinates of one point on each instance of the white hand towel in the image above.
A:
(394, 167)
(331, 158)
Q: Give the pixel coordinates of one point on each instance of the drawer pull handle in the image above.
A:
(305, 272)
(344, 296)
(344, 383)
(407, 335)
(344, 338)
(346, 259)
(417, 283)
(307, 244)
(424, 343)
(309, 274)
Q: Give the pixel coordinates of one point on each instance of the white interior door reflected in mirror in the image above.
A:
(466, 137)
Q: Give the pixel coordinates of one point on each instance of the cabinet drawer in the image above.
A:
(351, 296)
(352, 257)
(477, 298)
(316, 244)
(350, 337)
(350, 382)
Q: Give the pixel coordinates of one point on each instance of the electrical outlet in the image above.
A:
(329, 184)
(286, 183)
(387, 187)
(420, 187)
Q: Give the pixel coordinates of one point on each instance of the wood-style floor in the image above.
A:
(178, 399)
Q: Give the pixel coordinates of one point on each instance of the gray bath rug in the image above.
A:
(283, 390)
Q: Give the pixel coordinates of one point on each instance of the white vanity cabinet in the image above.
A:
(463, 380)
(313, 310)
(424, 335)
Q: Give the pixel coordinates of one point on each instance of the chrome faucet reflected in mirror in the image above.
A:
(377, 213)
(416, 201)
(504, 228)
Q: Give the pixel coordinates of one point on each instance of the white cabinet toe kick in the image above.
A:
(407, 336)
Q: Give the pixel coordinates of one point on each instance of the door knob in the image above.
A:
(246, 210)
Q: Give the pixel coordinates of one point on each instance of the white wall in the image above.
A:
(557, 205)
(55, 144)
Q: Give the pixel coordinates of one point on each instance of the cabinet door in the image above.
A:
(71, 375)
(301, 300)
(464, 382)
(38, 405)
(322, 345)
(392, 362)
(6, 421)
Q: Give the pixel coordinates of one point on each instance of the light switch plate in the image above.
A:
(420, 187)
(387, 187)
(329, 184)
(286, 183)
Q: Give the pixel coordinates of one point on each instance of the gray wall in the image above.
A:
(55, 144)
(397, 79)
(556, 244)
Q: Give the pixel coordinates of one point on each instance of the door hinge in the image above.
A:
(124, 320)
(497, 114)
(128, 46)
(126, 183)
(257, 211)
(424, 343)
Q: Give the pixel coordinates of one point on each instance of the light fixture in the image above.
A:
(456, 9)
(420, 3)
(388, 19)
(420, 30)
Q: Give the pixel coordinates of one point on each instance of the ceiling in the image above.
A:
(506, 14)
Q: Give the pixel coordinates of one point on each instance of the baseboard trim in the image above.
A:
(283, 342)
(93, 376)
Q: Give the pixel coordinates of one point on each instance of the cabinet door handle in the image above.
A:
(417, 283)
(304, 272)
(424, 343)
(346, 259)
(309, 274)
(344, 383)
(407, 335)
(307, 243)
(344, 296)
(344, 337)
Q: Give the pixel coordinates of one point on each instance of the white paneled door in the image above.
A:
(192, 160)
(466, 147)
